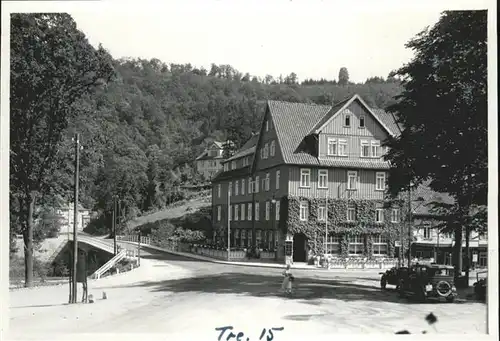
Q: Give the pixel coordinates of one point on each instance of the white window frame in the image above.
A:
(351, 175)
(395, 215)
(351, 210)
(243, 184)
(236, 212)
(277, 209)
(342, 151)
(236, 187)
(278, 179)
(303, 210)
(321, 212)
(230, 188)
(268, 181)
(347, 116)
(427, 230)
(333, 243)
(323, 174)
(380, 245)
(250, 185)
(267, 125)
(379, 215)
(226, 167)
(357, 241)
(242, 209)
(268, 210)
(219, 190)
(249, 211)
(380, 176)
(257, 210)
(230, 212)
(332, 142)
(219, 213)
(256, 184)
(375, 147)
(233, 164)
(266, 151)
(365, 144)
(305, 173)
(273, 148)
(262, 153)
(362, 119)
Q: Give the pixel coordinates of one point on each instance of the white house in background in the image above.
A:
(210, 161)
(67, 217)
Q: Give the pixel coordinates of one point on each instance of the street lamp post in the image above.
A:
(273, 202)
(75, 217)
(326, 224)
(409, 226)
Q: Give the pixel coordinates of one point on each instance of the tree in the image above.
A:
(443, 110)
(52, 67)
(343, 76)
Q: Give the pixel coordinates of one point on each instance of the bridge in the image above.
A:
(100, 250)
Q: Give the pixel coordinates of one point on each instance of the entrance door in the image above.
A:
(299, 247)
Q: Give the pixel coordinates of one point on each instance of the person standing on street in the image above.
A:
(286, 286)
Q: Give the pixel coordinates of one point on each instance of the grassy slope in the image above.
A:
(173, 212)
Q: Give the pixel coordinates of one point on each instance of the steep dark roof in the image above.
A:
(247, 149)
(423, 207)
(292, 122)
(388, 120)
(329, 114)
(233, 173)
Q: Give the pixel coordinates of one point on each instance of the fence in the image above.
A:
(360, 263)
(134, 239)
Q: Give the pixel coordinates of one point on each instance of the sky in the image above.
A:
(314, 39)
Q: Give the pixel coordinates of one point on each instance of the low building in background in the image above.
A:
(67, 217)
(210, 161)
(430, 243)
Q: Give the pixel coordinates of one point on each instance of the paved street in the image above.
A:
(172, 294)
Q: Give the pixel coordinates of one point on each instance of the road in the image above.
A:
(173, 294)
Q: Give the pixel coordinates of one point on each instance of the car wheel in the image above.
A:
(383, 283)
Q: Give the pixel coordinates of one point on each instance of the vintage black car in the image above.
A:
(480, 286)
(392, 276)
(429, 282)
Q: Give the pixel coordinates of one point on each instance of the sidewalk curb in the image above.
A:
(256, 265)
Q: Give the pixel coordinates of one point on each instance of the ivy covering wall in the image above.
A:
(365, 224)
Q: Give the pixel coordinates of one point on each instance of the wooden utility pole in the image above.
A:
(75, 217)
(113, 225)
(228, 224)
(409, 226)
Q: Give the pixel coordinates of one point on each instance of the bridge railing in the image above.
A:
(133, 238)
(99, 272)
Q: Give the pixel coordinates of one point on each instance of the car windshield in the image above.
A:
(441, 272)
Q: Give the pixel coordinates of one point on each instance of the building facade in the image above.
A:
(210, 161)
(67, 213)
(428, 240)
(313, 179)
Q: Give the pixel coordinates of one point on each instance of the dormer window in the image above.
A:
(347, 120)
(226, 167)
(361, 121)
(267, 125)
(233, 164)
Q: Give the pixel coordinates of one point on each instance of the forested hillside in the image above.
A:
(142, 131)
